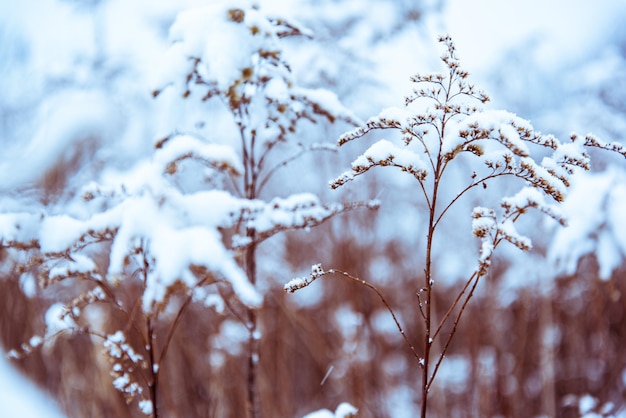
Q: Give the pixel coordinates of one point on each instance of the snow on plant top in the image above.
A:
(504, 123)
(215, 35)
(440, 124)
(227, 36)
(384, 153)
(177, 231)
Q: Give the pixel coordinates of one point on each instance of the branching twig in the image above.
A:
(452, 332)
(456, 301)
(319, 274)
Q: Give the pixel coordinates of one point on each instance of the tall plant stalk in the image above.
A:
(267, 108)
(438, 126)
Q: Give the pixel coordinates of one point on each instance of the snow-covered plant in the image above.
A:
(232, 53)
(444, 133)
(136, 246)
(145, 245)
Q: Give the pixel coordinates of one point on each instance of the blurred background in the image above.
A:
(545, 332)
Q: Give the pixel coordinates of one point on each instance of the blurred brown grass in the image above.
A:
(525, 358)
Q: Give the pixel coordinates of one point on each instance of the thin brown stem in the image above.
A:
(384, 301)
(153, 383)
(253, 343)
(154, 371)
(428, 279)
(170, 333)
(428, 289)
(231, 307)
(465, 190)
(452, 332)
(456, 301)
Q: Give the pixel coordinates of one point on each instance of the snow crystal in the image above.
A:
(342, 179)
(344, 410)
(483, 221)
(113, 343)
(452, 139)
(117, 347)
(162, 230)
(511, 137)
(551, 165)
(35, 341)
(322, 413)
(586, 404)
(140, 218)
(146, 407)
(121, 382)
(299, 283)
(57, 320)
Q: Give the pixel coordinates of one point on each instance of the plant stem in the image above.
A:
(428, 276)
(251, 192)
(428, 286)
(154, 382)
(253, 355)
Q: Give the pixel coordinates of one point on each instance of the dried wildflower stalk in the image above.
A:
(267, 109)
(500, 144)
